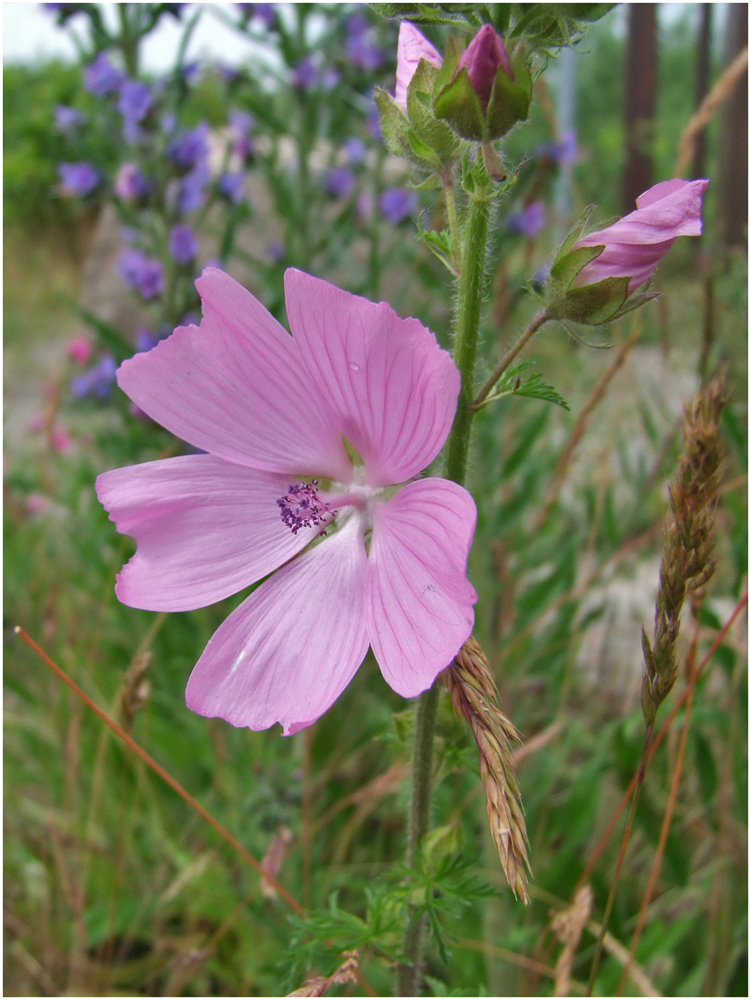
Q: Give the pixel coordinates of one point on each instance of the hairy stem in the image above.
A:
(509, 356)
(470, 292)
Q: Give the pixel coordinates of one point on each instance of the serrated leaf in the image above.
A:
(512, 384)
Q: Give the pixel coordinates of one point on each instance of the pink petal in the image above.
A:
(419, 599)
(668, 210)
(205, 529)
(390, 389)
(625, 259)
(286, 654)
(411, 48)
(235, 387)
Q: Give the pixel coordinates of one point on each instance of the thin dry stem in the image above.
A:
(474, 695)
(668, 818)
(601, 845)
(561, 469)
(717, 96)
(568, 925)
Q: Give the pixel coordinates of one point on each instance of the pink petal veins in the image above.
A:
(205, 529)
(286, 654)
(235, 387)
(420, 603)
(384, 381)
(411, 48)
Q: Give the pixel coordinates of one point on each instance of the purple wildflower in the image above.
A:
(330, 78)
(363, 54)
(266, 12)
(355, 150)
(142, 273)
(275, 251)
(191, 147)
(67, 119)
(397, 204)
(100, 77)
(77, 179)
(97, 381)
(183, 244)
(304, 75)
(231, 185)
(530, 221)
(193, 188)
(130, 183)
(134, 104)
(340, 182)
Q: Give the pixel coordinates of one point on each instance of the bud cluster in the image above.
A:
(477, 94)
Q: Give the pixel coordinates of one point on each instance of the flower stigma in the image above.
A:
(302, 507)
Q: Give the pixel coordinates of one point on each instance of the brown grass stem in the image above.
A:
(645, 758)
(159, 770)
(603, 842)
(668, 818)
(564, 462)
(174, 785)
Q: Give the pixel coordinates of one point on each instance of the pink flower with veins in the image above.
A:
(411, 48)
(635, 244)
(273, 412)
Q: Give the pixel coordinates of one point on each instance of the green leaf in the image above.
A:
(512, 384)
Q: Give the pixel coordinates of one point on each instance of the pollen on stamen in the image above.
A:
(301, 507)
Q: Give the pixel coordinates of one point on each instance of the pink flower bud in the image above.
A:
(485, 54)
(635, 244)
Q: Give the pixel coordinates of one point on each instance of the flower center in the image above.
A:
(302, 507)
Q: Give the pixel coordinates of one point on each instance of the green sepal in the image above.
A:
(394, 124)
(399, 137)
(575, 232)
(593, 304)
(423, 154)
(451, 57)
(435, 134)
(460, 106)
(509, 100)
(635, 302)
(566, 267)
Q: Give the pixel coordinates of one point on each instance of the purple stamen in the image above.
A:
(301, 507)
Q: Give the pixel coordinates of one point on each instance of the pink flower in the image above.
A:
(80, 350)
(273, 413)
(483, 57)
(635, 244)
(411, 48)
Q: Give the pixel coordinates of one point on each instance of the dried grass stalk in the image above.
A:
(135, 690)
(568, 925)
(687, 562)
(474, 695)
(724, 87)
(272, 860)
(318, 986)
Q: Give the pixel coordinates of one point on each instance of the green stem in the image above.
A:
(471, 280)
(447, 177)
(409, 976)
(531, 330)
